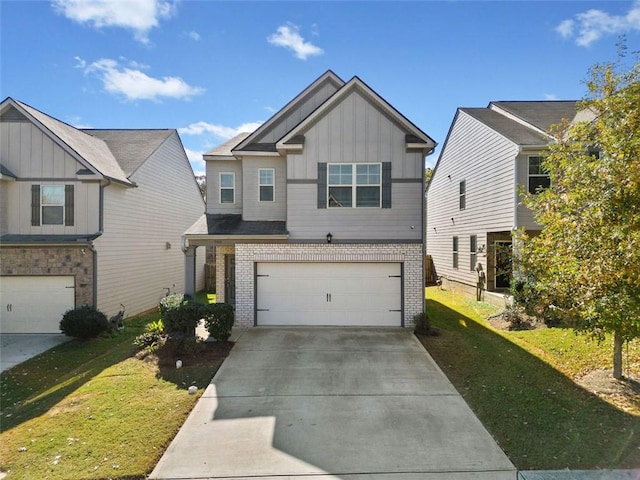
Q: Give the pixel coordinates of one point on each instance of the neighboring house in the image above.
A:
(90, 217)
(317, 216)
(473, 199)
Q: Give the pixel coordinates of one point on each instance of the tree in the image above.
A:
(584, 266)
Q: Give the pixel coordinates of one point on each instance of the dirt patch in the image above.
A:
(507, 321)
(624, 393)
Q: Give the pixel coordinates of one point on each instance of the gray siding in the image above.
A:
(134, 265)
(214, 168)
(525, 216)
(253, 209)
(355, 132)
(485, 160)
(3, 207)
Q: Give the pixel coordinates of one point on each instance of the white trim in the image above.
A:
(272, 185)
(62, 205)
(354, 183)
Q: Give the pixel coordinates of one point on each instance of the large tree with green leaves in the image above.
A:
(584, 267)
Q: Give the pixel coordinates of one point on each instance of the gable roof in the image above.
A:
(539, 114)
(90, 151)
(131, 147)
(514, 131)
(326, 79)
(415, 135)
(225, 149)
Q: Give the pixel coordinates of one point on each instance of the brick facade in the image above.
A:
(38, 261)
(410, 255)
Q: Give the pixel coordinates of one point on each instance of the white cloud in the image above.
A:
(220, 131)
(134, 84)
(194, 35)
(550, 96)
(197, 163)
(591, 25)
(137, 15)
(288, 36)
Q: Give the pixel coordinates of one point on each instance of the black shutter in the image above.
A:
(322, 185)
(68, 205)
(386, 185)
(35, 205)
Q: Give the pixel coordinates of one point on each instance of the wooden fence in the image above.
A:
(431, 277)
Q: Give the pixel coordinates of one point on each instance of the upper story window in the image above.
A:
(538, 175)
(267, 184)
(227, 187)
(354, 185)
(463, 194)
(455, 252)
(52, 205)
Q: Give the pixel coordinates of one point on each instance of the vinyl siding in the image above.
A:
(4, 187)
(214, 168)
(354, 131)
(134, 267)
(253, 209)
(485, 161)
(525, 216)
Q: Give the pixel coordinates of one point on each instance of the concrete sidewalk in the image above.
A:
(333, 403)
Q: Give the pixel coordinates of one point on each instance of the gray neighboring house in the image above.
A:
(88, 217)
(473, 201)
(317, 216)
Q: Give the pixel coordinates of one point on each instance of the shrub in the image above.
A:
(183, 319)
(153, 336)
(178, 344)
(219, 319)
(423, 325)
(171, 302)
(84, 322)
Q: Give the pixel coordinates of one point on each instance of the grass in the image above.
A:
(92, 410)
(521, 386)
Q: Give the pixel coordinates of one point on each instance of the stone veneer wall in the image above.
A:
(248, 254)
(38, 261)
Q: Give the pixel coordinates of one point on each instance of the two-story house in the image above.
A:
(473, 200)
(317, 216)
(90, 217)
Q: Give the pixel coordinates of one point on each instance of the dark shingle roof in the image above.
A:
(541, 114)
(514, 131)
(221, 224)
(6, 172)
(131, 148)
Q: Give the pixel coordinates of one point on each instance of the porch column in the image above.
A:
(190, 271)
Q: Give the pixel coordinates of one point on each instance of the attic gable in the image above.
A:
(265, 137)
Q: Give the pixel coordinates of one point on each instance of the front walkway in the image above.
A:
(348, 403)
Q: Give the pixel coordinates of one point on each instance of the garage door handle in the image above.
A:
(395, 310)
(262, 309)
(9, 306)
(70, 287)
(328, 297)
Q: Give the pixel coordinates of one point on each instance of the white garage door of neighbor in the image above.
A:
(340, 294)
(35, 304)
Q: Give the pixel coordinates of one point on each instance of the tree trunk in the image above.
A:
(617, 355)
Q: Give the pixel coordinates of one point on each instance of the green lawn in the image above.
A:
(92, 410)
(520, 384)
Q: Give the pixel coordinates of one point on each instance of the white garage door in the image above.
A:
(35, 304)
(347, 294)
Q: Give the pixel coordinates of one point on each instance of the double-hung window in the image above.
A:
(354, 185)
(52, 205)
(473, 252)
(538, 175)
(267, 185)
(455, 252)
(227, 187)
(463, 194)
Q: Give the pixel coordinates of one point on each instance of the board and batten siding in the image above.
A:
(134, 265)
(37, 160)
(253, 208)
(4, 210)
(485, 160)
(214, 168)
(302, 110)
(355, 131)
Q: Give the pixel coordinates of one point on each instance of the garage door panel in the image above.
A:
(33, 304)
(358, 294)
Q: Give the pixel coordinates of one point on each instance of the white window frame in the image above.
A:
(220, 187)
(354, 184)
(43, 205)
(534, 175)
(455, 247)
(473, 252)
(462, 195)
(272, 184)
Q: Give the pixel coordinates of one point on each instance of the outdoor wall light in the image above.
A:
(329, 237)
(453, 221)
(167, 245)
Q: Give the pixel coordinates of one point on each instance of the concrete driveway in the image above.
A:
(334, 403)
(15, 348)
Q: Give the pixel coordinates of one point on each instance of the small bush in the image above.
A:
(84, 322)
(171, 302)
(183, 319)
(423, 325)
(153, 336)
(177, 344)
(219, 319)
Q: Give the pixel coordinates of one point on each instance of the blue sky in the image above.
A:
(213, 68)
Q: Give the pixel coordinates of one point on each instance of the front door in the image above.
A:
(503, 262)
(230, 279)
